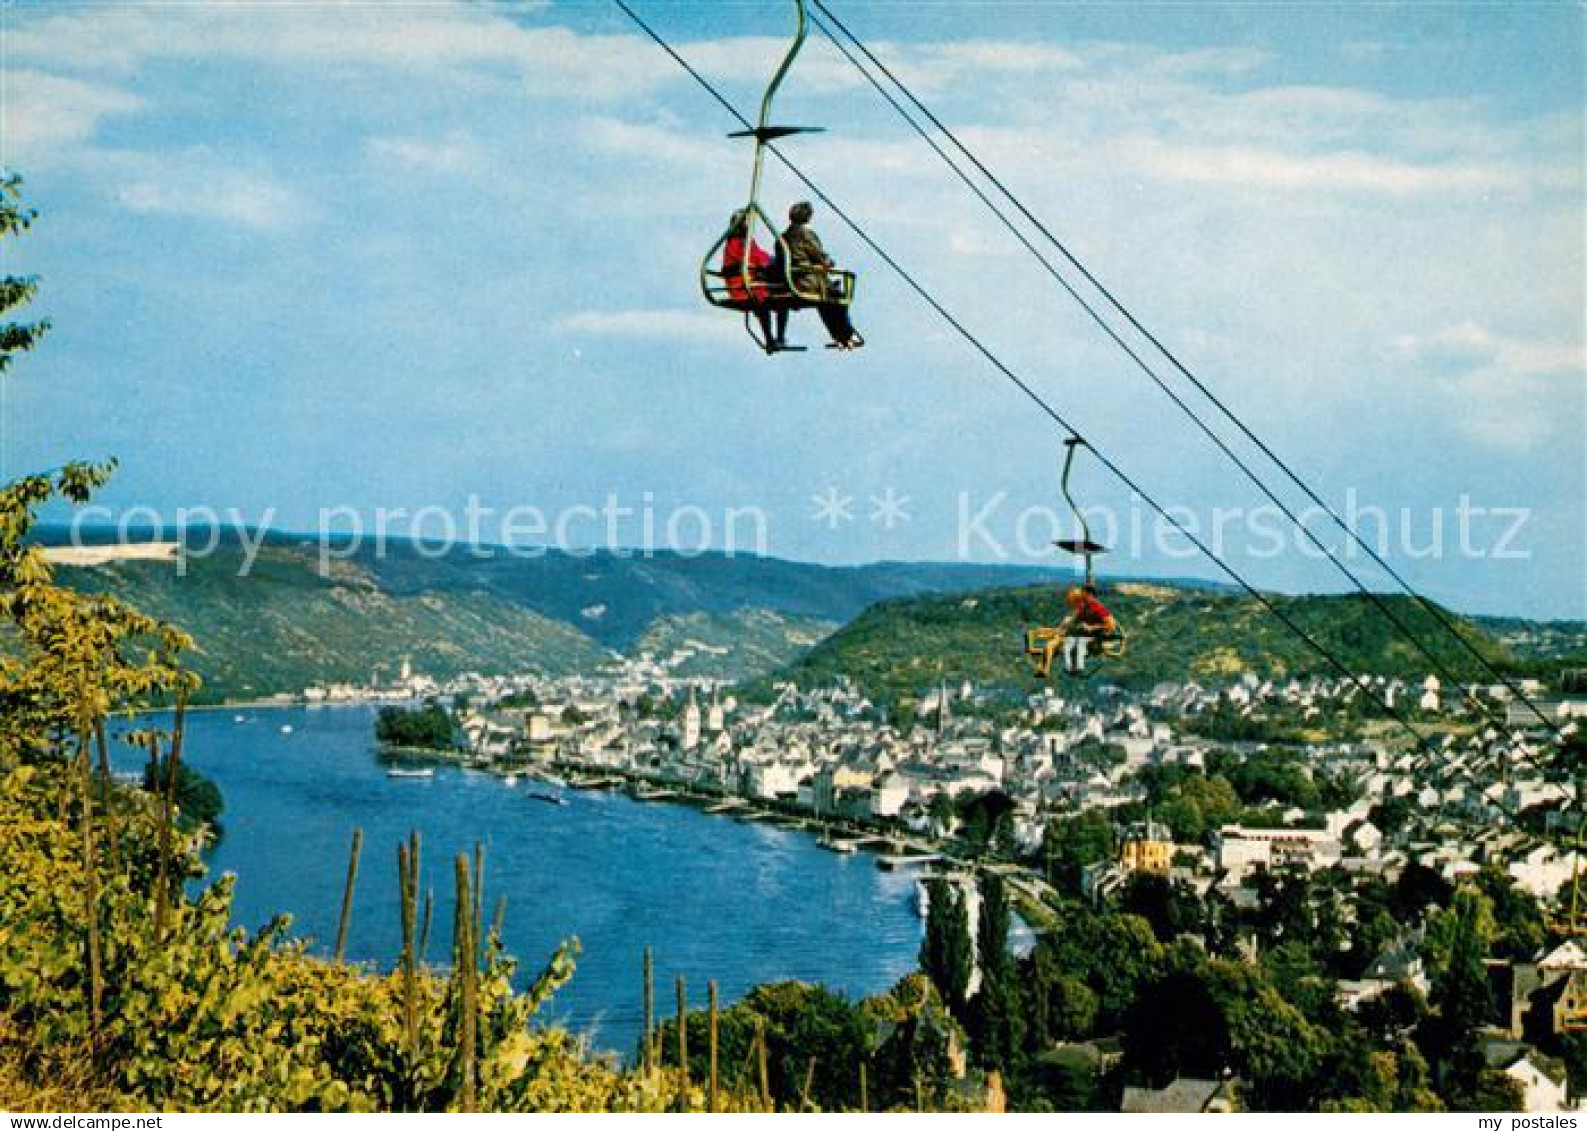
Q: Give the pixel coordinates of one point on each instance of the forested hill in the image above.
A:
(899, 648)
(286, 624)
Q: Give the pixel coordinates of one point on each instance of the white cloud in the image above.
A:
(652, 142)
(455, 154)
(676, 325)
(1506, 393)
(1339, 170)
(202, 186)
(408, 37)
(45, 112)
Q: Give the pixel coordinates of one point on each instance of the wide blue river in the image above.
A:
(743, 903)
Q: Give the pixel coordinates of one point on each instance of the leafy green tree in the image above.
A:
(1176, 1027)
(914, 1045)
(16, 291)
(1374, 926)
(1300, 979)
(1392, 814)
(946, 954)
(1573, 1052)
(1072, 844)
(1059, 1006)
(1275, 1048)
(1197, 806)
(985, 820)
(1419, 888)
(1394, 1014)
(1171, 908)
(429, 727)
(1517, 917)
(1363, 1077)
(1063, 1080)
(1126, 954)
(1462, 998)
(998, 1021)
(197, 797)
(812, 1035)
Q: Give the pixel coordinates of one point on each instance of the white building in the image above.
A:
(1240, 849)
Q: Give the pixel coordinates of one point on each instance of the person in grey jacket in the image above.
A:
(806, 266)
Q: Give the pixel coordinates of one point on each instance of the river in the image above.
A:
(743, 903)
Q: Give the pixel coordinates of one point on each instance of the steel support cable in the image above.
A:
(997, 363)
(1429, 606)
(1438, 664)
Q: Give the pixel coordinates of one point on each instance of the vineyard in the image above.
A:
(121, 989)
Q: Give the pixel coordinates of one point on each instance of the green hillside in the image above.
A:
(743, 644)
(614, 597)
(899, 648)
(284, 627)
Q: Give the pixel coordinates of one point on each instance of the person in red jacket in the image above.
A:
(748, 287)
(1089, 620)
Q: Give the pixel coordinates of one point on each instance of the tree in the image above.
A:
(915, 1045)
(16, 291)
(1125, 955)
(197, 797)
(1058, 1005)
(426, 728)
(986, 822)
(1072, 844)
(1299, 978)
(1175, 1027)
(1418, 888)
(1392, 814)
(945, 952)
(1516, 915)
(1171, 908)
(1361, 1077)
(1462, 999)
(1198, 805)
(998, 1023)
(812, 1035)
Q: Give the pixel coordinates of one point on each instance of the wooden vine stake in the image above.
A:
(343, 923)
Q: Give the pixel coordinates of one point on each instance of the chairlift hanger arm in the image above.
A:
(787, 64)
(1084, 546)
(764, 131)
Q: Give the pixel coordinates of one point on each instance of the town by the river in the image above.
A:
(713, 897)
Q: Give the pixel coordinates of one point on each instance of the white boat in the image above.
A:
(922, 899)
(239, 718)
(286, 728)
(403, 772)
(510, 780)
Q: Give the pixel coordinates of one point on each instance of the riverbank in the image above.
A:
(619, 875)
(894, 847)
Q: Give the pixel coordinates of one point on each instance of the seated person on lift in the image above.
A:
(1089, 620)
(806, 267)
(736, 252)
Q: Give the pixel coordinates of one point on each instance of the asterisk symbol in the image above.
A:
(888, 508)
(832, 508)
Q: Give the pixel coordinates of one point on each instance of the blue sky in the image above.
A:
(308, 256)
